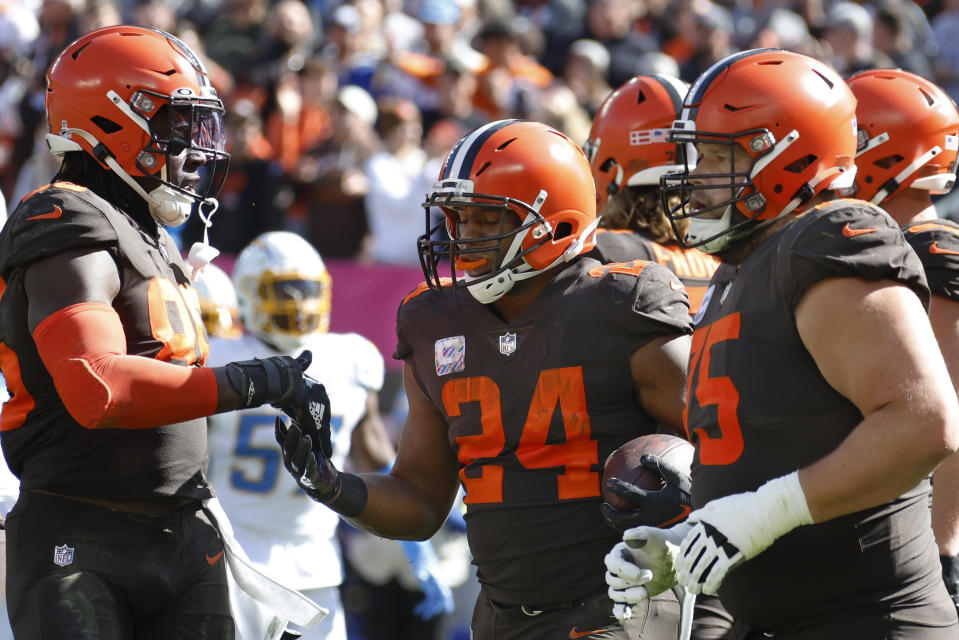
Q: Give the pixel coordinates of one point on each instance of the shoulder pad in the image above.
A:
(936, 242)
(848, 238)
(659, 301)
(54, 219)
(423, 287)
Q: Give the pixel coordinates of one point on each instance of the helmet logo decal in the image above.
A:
(65, 129)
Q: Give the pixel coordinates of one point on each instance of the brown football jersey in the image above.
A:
(42, 443)
(759, 408)
(534, 407)
(693, 267)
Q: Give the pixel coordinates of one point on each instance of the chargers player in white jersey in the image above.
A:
(283, 290)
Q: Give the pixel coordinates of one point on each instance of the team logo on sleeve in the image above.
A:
(449, 355)
(507, 343)
(62, 556)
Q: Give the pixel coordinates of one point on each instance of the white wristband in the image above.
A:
(782, 504)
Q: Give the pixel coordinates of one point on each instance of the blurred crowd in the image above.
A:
(339, 112)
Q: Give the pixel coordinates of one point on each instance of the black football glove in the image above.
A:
(313, 471)
(950, 575)
(662, 508)
(277, 381)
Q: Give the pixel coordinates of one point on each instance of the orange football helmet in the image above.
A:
(792, 114)
(133, 98)
(628, 144)
(908, 134)
(524, 168)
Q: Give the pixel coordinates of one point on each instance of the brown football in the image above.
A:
(623, 463)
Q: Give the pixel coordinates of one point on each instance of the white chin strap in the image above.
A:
(491, 290)
(707, 228)
(919, 183)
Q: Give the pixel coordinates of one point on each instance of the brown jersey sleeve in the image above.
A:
(53, 220)
(847, 239)
(936, 242)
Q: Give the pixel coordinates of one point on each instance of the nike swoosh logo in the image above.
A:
(686, 511)
(935, 248)
(56, 213)
(582, 634)
(212, 561)
(849, 232)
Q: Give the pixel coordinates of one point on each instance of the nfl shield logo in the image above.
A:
(507, 343)
(63, 556)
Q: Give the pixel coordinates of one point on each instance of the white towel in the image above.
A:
(261, 606)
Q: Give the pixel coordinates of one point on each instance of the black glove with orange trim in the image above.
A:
(662, 508)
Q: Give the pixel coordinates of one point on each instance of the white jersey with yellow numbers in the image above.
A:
(279, 527)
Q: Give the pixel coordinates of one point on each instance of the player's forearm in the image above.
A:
(886, 455)
(395, 508)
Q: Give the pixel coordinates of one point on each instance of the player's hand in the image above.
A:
(662, 508)
(307, 463)
(437, 595)
(642, 566)
(311, 412)
(732, 529)
(950, 575)
(277, 380)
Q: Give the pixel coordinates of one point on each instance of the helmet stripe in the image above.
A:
(696, 92)
(675, 88)
(460, 161)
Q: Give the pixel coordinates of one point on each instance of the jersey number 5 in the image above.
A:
(719, 391)
(577, 455)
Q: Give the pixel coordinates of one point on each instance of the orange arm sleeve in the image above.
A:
(83, 348)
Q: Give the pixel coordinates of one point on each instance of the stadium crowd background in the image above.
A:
(339, 113)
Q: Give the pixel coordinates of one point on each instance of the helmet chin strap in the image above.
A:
(167, 206)
(491, 290)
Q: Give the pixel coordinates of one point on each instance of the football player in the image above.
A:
(524, 369)
(284, 292)
(103, 352)
(219, 307)
(818, 399)
(908, 142)
(628, 151)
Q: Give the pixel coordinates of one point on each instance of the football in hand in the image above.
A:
(623, 463)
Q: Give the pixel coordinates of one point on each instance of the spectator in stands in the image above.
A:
(455, 112)
(397, 176)
(587, 65)
(511, 80)
(330, 187)
(849, 34)
(238, 27)
(287, 44)
(945, 25)
(712, 38)
(895, 36)
(611, 22)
